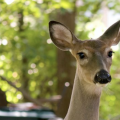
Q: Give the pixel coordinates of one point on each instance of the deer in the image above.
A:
(94, 59)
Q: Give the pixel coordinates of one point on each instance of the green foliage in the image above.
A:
(25, 54)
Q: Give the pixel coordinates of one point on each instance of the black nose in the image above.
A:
(102, 77)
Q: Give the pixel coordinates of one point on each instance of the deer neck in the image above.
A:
(84, 104)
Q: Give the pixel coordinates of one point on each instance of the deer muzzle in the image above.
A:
(102, 77)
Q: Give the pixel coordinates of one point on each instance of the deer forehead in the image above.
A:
(88, 51)
(91, 46)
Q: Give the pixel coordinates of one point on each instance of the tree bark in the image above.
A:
(65, 66)
(3, 100)
(24, 77)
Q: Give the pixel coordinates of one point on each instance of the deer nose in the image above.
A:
(102, 77)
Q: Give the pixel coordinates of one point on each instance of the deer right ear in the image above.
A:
(61, 36)
(112, 34)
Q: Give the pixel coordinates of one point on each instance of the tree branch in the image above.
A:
(24, 93)
(28, 97)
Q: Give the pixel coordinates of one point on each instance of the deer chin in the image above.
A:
(101, 85)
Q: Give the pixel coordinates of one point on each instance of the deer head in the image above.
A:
(94, 57)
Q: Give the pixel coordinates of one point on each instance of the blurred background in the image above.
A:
(33, 70)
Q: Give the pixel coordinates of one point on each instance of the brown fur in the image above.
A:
(85, 97)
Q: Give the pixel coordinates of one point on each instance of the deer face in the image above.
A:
(94, 57)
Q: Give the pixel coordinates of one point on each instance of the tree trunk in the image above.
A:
(24, 77)
(65, 66)
(3, 100)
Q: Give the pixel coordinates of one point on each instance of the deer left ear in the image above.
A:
(112, 34)
(61, 36)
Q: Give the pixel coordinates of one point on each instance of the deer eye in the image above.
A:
(110, 53)
(81, 55)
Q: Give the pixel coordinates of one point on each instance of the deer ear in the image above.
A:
(112, 34)
(61, 36)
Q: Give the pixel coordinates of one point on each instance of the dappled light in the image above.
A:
(9, 1)
(14, 74)
(67, 84)
(50, 83)
(3, 42)
(49, 41)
